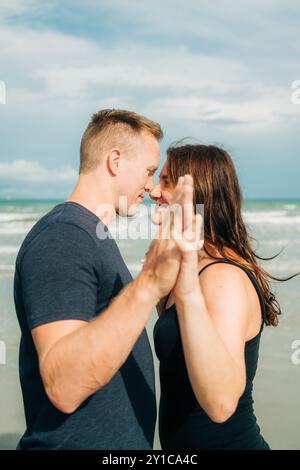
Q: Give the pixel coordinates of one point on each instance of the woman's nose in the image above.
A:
(156, 192)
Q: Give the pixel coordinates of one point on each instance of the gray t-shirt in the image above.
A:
(65, 271)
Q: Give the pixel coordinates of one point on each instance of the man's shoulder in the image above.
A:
(62, 228)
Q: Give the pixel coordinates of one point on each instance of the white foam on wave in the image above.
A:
(286, 242)
(14, 230)
(271, 217)
(288, 268)
(17, 223)
(12, 216)
(10, 249)
(142, 223)
(134, 267)
(7, 267)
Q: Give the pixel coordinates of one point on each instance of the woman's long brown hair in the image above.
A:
(216, 186)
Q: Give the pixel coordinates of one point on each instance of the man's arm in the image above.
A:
(77, 358)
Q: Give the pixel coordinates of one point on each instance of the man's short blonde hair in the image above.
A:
(112, 127)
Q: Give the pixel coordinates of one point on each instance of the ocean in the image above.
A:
(274, 226)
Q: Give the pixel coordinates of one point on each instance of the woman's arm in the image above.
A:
(213, 322)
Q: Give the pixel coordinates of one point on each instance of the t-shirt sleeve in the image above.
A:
(58, 276)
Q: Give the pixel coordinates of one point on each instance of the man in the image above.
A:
(86, 366)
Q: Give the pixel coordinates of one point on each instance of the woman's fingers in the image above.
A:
(188, 207)
(158, 215)
(165, 226)
(177, 195)
(171, 216)
(177, 221)
(184, 212)
(199, 231)
(187, 232)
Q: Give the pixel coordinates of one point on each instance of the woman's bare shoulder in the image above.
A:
(227, 276)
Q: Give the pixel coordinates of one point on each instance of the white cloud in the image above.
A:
(65, 72)
(21, 8)
(141, 68)
(192, 65)
(270, 107)
(33, 171)
(263, 23)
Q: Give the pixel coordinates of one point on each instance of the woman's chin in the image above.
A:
(162, 203)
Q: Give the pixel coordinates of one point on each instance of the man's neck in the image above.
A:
(100, 202)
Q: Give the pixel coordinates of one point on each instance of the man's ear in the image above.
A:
(113, 161)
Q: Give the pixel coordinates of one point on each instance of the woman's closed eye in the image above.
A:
(165, 181)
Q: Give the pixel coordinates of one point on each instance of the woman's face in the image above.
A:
(163, 191)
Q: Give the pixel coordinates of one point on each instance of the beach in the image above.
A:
(275, 225)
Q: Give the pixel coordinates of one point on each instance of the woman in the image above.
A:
(208, 332)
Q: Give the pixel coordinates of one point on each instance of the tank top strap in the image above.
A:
(166, 300)
(252, 279)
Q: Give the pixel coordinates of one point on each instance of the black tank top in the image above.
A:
(183, 424)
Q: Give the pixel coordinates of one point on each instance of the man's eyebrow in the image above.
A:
(152, 168)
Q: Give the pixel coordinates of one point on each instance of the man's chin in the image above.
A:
(129, 211)
(132, 210)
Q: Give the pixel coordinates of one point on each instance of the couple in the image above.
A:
(86, 366)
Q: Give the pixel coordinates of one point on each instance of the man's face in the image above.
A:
(136, 175)
(162, 193)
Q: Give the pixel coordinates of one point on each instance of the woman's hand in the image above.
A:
(187, 235)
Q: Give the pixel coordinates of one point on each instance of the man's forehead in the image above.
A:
(154, 162)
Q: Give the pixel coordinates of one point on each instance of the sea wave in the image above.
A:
(287, 267)
(135, 267)
(271, 217)
(12, 216)
(8, 229)
(134, 228)
(9, 249)
(7, 267)
(286, 242)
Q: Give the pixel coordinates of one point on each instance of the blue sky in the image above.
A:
(220, 72)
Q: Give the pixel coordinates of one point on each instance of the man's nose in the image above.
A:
(150, 184)
(156, 192)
